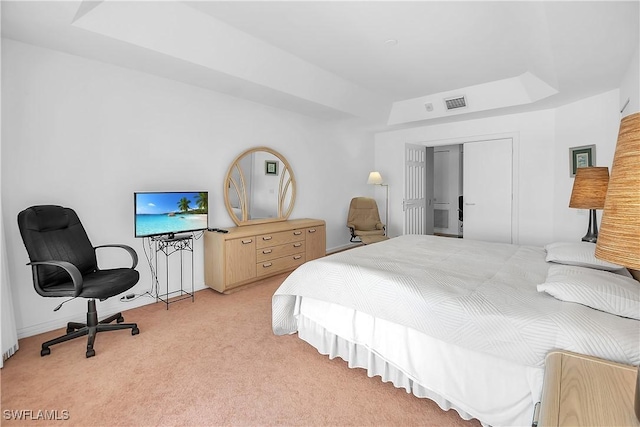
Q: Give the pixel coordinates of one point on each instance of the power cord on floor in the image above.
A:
(147, 248)
(133, 297)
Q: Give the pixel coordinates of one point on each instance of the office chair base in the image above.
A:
(91, 328)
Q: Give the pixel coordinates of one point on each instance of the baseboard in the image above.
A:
(115, 305)
(343, 247)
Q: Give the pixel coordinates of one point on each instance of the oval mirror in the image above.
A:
(259, 187)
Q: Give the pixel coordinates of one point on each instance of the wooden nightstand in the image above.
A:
(586, 391)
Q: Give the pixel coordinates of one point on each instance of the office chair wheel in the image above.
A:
(135, 331)
(45, 352)
(120, 319)
(91, 352)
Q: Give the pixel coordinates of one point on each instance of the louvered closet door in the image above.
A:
(418, 190)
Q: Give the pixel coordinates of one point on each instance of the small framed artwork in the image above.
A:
(580, 157)
(270, 167)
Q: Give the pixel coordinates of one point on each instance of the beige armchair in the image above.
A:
(364, 221)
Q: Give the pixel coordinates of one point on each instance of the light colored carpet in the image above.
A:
(211, 362)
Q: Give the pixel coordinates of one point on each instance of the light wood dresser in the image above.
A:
(250, 253)
(586, 391)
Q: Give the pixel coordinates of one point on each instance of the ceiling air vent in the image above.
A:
(455, 103)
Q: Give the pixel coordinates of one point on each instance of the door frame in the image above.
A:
(515, 170)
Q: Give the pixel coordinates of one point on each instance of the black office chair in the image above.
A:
(64, 264)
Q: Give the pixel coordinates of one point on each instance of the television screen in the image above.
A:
(169, 213)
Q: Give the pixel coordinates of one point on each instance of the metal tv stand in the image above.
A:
(169, 245)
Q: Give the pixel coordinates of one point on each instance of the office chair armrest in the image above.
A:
(132, 252)
(71, 269)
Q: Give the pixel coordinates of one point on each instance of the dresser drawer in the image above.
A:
(279, 264)
(272, 252)
(251, 253)
(279, 238)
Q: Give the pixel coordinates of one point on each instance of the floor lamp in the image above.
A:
(376, 179)
(619, 240)
(589, 190)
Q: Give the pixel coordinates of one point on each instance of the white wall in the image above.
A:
(85, 134)
(630, 86)
(596, 121)
(542, 139)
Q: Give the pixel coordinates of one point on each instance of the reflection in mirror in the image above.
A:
(235, 198)
(260, 187)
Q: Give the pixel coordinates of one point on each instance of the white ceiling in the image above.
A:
(577, 48)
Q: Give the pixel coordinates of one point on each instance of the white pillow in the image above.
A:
(623, 272)
(602, 290)
(581, 254)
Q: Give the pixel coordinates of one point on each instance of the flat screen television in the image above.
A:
(169, 213)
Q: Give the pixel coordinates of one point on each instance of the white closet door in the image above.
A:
(487, 189)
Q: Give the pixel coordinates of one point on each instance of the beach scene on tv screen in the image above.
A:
(165, 213)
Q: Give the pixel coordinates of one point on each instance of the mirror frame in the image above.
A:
(230, 183)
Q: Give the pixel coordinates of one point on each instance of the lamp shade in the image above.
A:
(589, 188)
(619, 239)
(374, 178)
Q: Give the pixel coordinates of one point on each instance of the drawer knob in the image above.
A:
(312, 230)
(267, 265)
(246, 242)
(297, 257)
(267, 238)
(297, 233)
(297, 245)
(267, 251)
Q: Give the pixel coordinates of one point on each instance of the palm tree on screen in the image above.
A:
(183, 204)
(202, 201)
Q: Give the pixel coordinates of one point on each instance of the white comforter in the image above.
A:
(475, 295)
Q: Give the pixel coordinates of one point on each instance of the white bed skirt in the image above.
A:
(475, 385)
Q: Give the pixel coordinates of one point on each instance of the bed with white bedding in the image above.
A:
(460, 322)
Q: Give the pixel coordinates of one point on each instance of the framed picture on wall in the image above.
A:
(271, 167)
(580, 157)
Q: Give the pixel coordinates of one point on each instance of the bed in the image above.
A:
(465, 323)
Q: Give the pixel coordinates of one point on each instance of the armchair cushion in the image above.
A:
(368, 232)
(367, 224)
(363, 215)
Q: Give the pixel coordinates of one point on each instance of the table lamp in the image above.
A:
(619, 240)
(589, 190)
